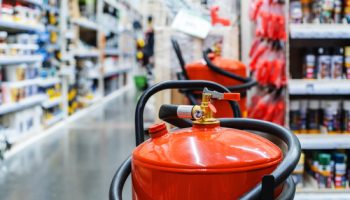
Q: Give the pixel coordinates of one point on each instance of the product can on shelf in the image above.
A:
(325, 171)
(310, 64)
(323, 64)
(331, 116)
(337, 63)
(347, 61)
(303, 116)
(339, 170)
(294, 116)
(313, 116)
(346, 116)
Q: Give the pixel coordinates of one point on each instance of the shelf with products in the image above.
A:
(111, 52)
(20, 26)
(20, 16)
(86, 53)
(319, 31)
(52, 102)
(109, 19)
(111, 3)
(319, 87)
(62, 43)
(54, 119)
(112, 72)
(22, 104)
(311, 191)
(34, 2)
(322, 173)
(51, 8)
(324, 141)
(23, 83)
(8, 60)
(86, 24)
(45, 82)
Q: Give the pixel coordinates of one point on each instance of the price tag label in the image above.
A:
(191, 23)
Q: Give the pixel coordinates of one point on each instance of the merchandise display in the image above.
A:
(268, 61)
(21, 13)
(319, 11)
(324, 64)
(323, 169)
(52, 65)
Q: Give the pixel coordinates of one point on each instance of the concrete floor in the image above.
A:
(76, 163)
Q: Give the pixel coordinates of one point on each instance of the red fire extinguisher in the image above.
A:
(227, 72)
(207, 157)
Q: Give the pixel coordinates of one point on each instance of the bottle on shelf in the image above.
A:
(310, 64)
(346, 117)
(313, 116)
(294, 116)
(303, 116)
(306, 10)
(325, 171)
(337, 61)
(323, 64)
(340, 170)
(347, 61)
(331, 116)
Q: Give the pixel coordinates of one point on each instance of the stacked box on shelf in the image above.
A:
(23, 45)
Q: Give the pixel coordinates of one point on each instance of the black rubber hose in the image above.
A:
(118, 181)
(179, 56)
(248, 82)
(169, 113)
(173, 85)
(242, 87)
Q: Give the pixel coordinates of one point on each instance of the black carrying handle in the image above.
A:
(281, 174)
(139, 128)
(247, 82)
(179, 56)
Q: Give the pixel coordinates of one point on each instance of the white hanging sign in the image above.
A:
(191, 23)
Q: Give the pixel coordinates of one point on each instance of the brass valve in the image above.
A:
(204, 114)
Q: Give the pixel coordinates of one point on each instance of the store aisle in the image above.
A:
(76, 163)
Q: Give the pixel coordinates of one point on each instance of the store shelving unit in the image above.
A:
(319, 87)
(301, 36)
(85, 23)
(319, 31)
(324, 141)
(71, 30)
(20, 26)
(23, 104)
(86, 53)
(9, 60)
(49, 103)
(316, 35)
